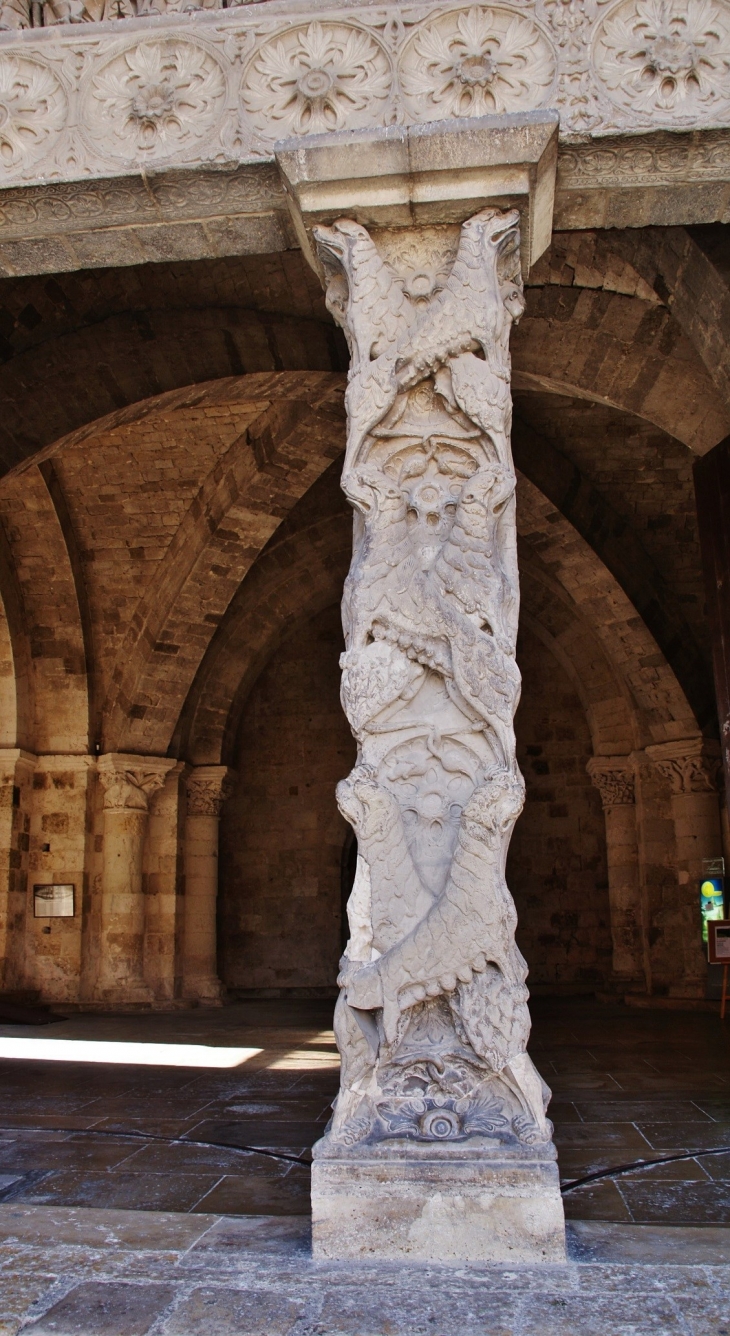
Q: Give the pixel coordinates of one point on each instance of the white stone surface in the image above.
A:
(432, 1021)
(439, 1210)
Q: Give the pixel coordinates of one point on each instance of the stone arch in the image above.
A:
(621, 351)
(631, 697)
(629, 646)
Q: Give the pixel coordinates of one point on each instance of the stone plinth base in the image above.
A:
(436, 1208)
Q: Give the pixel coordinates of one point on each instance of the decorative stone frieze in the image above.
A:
(201, 85)
(614, 779)
(693, 766)
(432, 1019)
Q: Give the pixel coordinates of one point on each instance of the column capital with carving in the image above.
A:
(692, 765)
(130, 781)
(613, 776)
(208, 787)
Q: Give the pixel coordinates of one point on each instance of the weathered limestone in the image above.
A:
(439, 1146)
(208, 786)
(128, 782)
(613, 776)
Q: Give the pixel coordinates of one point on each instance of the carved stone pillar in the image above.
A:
(128, 782)
(613, 776)
(439, 1146)
(208, 786)
(692, 769)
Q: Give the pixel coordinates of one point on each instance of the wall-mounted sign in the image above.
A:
(53, 901)
(712, 893)
(718, 941)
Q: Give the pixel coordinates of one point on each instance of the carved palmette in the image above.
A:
(432, 1020)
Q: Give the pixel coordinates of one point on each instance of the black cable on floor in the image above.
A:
(640, 1164)
(169, 1141)
(613, 1172)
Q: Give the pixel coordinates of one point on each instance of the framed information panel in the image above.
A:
(53, 901)
(718, 942)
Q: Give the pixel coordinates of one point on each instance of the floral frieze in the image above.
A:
(92, 88)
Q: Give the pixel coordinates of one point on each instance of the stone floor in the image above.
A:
(113, 1224)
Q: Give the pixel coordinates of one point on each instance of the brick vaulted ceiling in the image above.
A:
(161, 541)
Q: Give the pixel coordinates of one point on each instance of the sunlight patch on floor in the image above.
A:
(128, 1054)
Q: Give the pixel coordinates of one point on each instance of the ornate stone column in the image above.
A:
(128, 783)
(208, 786)
(613, 776)
(439, 1146)
(692, 769)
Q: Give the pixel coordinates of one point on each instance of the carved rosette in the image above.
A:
(614, 779)
(130, 781)
(476, 62)
(33, 110)
(317, 77)
(666, 57)
(690, 767)
(432, 1021)
(157, 99)
(207, 788)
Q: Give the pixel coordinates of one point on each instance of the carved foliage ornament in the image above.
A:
(318, 77)
(476, 62)
(32, 109)
(207, 793)
(666, 56)
(158, 97)
(126, 789)
(614, 783)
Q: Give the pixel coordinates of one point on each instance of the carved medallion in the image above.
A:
(317, 77)
(476, 62)
(32, 110)
(157, 99)
(666, 57)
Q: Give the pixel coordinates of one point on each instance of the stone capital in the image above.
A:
(691, 766)
(426, 175)
(130, 781)
(208, 786)
(613, 776)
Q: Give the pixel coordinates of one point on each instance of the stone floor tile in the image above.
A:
(97, 1308)
(231, 1238)
(244, 1195)
(711, 1317)
(637, 1314)
(675, 1203)
(695, 1136)
(142, 1191)
(214, 1311)
(717, 1166)
(88, 1227)
(677, 1170)
(406, 1308)
(624, 1137)
(596, 1201)
(91, 1154)
(260, 1132)
(640, 1110)
(17, 1293)
(161, 1158)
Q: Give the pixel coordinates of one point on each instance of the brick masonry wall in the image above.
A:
(282, 838)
